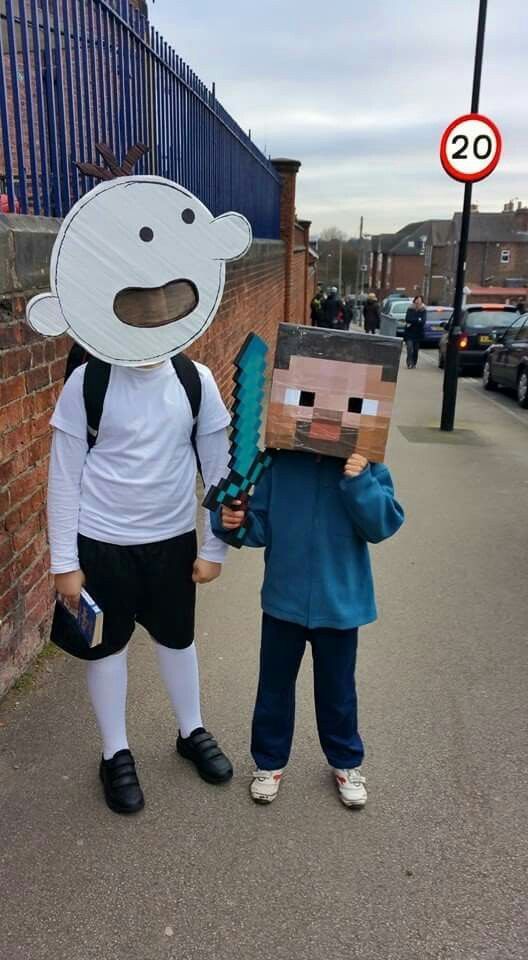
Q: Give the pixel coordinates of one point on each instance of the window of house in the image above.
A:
(505, 256)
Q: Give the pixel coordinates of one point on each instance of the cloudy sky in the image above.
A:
(360, 93)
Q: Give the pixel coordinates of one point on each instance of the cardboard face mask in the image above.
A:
(137, 270)
(332, 392)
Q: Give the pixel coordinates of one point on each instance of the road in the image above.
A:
(433, 869)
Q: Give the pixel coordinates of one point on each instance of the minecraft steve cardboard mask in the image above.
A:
(332, 392)
(137, 270)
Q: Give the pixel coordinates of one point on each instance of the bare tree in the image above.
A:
(333, 233)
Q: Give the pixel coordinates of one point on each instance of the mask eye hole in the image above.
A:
(146, 234)
(355, 404)
(306, 399)
(188, 215)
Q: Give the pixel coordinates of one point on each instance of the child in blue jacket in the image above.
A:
(314, 516)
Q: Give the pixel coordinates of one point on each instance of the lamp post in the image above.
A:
(328, 255)
(359, 258)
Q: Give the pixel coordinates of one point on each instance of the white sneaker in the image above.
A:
(265, 785)
(351, 786)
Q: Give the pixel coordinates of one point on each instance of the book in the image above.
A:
(88, 616)
(90, 619)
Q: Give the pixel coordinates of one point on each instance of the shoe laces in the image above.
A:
(263, 775)
(354, 776)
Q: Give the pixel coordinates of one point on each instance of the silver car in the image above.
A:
(392, 322)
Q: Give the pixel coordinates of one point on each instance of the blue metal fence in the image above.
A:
(77, 72)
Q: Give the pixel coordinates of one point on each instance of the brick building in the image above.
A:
(401, 261)
(422, 257)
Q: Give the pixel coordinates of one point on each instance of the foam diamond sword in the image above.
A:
(247, 461)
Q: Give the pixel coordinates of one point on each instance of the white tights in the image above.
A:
(107, 686)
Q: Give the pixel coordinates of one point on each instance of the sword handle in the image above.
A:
(237, 537)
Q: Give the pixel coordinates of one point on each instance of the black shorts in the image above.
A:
(150, 584)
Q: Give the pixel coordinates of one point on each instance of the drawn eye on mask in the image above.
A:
(138, 267)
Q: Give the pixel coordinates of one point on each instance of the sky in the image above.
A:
(360, 93)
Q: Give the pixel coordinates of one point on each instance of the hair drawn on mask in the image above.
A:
(113, 169)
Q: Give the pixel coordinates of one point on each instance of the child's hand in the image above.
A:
(355, 465)
(205, 570)
(69, 584)
(233, 519)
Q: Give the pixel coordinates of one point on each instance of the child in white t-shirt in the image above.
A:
(137, 274)
(122, 521)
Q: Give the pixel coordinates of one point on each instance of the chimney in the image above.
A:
(521, 218)
(474, 208)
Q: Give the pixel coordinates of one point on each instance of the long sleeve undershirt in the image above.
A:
(68, 456)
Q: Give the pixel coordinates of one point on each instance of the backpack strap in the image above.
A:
(95, 385)
(77, 356)
(189, 378)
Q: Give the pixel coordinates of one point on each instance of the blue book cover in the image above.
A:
(90, 619)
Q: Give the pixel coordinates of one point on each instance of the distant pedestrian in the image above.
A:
(333, 311)
(349, 311)
(521, 307)
(316, 307)
(414, 330)
(371, 314)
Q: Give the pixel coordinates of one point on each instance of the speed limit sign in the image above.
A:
(471, 148)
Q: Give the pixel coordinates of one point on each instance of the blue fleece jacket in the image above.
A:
(315, 524)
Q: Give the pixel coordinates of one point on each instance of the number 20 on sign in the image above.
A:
(471, 148)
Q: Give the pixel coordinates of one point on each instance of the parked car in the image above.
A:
(506, 361)
(392, 297)
(393, 315)
(480, 324)
(435, 321)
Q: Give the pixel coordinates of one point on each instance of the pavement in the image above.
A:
(433, 869)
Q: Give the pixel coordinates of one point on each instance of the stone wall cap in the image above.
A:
(284, 165)
(27, 223)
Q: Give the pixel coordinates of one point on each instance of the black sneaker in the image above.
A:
(122, 791)
(202, 749)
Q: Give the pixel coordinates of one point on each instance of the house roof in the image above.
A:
(408, 241)
(492, 228)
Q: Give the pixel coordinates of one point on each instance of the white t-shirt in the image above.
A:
(138, 483)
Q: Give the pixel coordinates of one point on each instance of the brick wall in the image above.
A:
(407, 273)
(253, 301)
(31, 374)
(484, 261)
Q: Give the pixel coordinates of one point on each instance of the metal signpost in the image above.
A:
(470, 150)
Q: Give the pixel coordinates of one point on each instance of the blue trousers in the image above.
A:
(334, 664)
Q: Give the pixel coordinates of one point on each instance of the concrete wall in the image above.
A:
(257, 298)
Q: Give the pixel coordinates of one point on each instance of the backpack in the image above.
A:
(97, 377)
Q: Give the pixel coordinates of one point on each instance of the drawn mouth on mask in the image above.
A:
(324, 430)
(156, 306)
